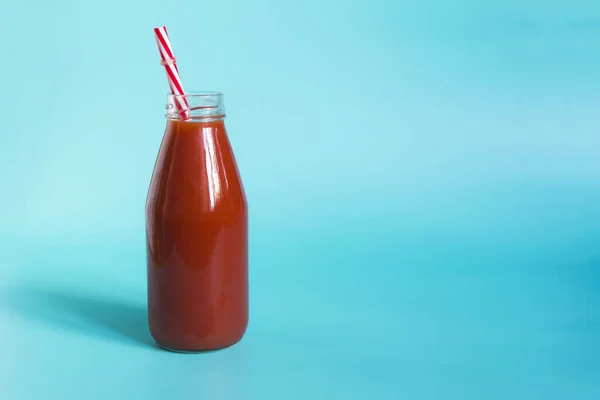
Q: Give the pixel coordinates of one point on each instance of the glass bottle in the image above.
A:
(197, 232)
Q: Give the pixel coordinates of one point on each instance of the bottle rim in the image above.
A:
(203, 106)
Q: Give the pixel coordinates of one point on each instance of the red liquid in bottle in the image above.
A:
(197, 240)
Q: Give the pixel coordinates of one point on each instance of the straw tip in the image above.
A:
(159, 28)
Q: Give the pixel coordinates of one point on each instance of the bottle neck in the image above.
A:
(196, 107)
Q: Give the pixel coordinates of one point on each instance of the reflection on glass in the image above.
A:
(212, 168)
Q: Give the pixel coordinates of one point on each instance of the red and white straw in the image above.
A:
(168, 60)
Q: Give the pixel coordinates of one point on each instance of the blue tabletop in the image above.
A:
(423, 182)
(344, 316)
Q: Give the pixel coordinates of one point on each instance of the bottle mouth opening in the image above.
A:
(197, 94)
(202, 106)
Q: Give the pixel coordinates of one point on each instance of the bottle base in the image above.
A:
(196, 351)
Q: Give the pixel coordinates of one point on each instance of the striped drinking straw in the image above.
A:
(168, 61)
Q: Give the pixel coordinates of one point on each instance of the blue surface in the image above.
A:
(423, 180)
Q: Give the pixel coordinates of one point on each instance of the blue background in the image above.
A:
(423, 178)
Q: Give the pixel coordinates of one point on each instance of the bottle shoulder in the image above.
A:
(196, 164)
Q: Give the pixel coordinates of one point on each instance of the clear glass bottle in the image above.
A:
(197, 232)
